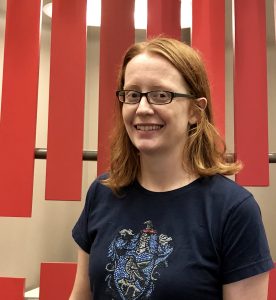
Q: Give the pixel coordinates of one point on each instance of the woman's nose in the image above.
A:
(144, 107)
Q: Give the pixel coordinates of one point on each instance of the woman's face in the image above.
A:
(156, 129)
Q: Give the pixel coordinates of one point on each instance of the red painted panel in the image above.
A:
(272, 285)
(12, 288)
(117, 34)
(66, 100)
(56, 280)
(18, 107)
(164, 18)
(250, 92)
(208, 35)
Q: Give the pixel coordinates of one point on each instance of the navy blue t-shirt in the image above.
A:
(180, 244)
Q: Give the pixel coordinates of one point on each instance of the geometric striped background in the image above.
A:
(67, 90)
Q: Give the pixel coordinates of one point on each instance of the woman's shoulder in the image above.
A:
(225, 185)
(97, 190)
(224, 191)
(97, 185)
(227, 202)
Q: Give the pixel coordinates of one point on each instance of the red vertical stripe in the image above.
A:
(66, 103)
(272, 285)
(117, 34)
(12, 288)
(56, 280)
(208, 35)
(250, 92)
(164, 18)
(19, 105)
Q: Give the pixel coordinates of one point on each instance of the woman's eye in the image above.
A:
(132, 95)
(162, 95)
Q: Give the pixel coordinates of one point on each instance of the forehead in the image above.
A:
(149, 61)
(152, 69)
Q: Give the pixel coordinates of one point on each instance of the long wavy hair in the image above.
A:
(205, 150)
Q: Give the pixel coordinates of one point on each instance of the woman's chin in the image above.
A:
(149, 149)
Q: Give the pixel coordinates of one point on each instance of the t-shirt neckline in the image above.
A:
(173, 192)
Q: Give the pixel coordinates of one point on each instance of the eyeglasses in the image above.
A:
(153, 97)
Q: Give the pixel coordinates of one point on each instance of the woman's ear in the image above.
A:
(195, 110)
(201, 102)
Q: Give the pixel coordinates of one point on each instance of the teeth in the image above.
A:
(148, 127)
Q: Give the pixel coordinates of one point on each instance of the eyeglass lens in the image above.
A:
(159, 97)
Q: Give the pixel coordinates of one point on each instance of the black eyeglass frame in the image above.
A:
(173, 95)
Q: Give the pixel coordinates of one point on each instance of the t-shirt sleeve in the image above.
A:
(80, 230)
(245, 250)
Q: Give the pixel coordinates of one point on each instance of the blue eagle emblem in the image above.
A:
(134, 260)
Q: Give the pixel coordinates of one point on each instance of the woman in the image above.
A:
(165, 223)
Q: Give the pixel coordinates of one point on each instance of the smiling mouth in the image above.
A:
(148, 127)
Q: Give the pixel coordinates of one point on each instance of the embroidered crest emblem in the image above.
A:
(134, 260)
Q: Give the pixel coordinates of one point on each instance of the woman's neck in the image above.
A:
(159, 173)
